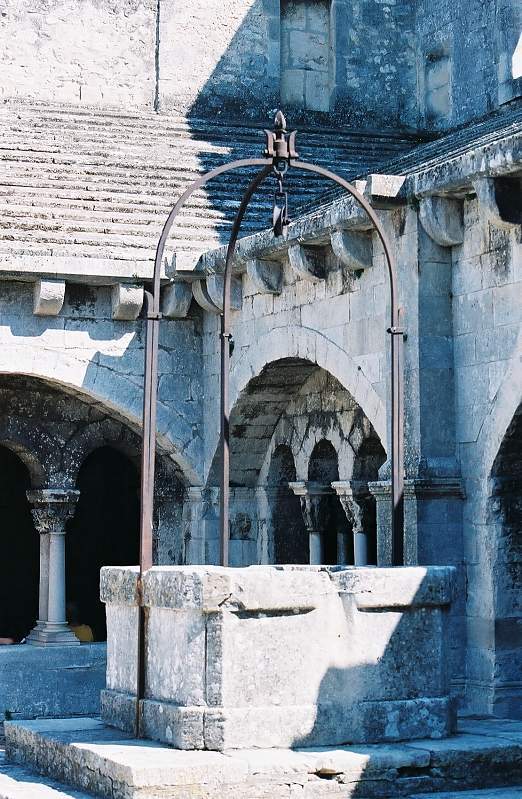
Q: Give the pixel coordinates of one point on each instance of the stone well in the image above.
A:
(269, 656)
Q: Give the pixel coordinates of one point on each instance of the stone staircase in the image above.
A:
(85, 183)
(483, 761)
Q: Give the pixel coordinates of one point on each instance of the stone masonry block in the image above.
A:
(283, 656)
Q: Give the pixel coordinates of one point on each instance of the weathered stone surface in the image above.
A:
(59, 681)
(442, 220)
(283, 656)
(127, 301)
(49, 296)
(93, 757)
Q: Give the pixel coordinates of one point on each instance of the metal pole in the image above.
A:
(225, 366)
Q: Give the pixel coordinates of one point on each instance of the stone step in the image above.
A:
(59, 118)
(114, 177)
(483, 758)
(17, 782)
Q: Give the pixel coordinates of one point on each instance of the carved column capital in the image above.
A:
(52, 508)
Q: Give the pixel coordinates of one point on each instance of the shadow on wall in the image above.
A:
(396, 684)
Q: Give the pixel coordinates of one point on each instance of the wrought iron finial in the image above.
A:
(280, 122)
(280, 145)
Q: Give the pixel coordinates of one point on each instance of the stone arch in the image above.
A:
(118, 393)
(28, 458)
(19, 547)
(309, 345)
(484, 527)
(504, 406)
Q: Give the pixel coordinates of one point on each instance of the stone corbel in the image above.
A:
(500, 200)
(48, 298)
(267, 276)
(304, 263)
(175, 300)
(354, 249)
(208, 293)
(441, 218)
(127, 301)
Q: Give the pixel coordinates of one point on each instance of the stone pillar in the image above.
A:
(168, 544)
(51, 509)
(193, 532)
(351, 494)
(309, 494)
(432, 510)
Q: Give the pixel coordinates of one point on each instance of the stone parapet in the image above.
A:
(270, 656)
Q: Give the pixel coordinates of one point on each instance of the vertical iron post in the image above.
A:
(225, 366)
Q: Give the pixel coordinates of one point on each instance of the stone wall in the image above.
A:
(84, 351)
(487, 319)
(87, 52)
(465, 59)
(370, 63)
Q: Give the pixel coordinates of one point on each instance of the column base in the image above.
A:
(48, 633)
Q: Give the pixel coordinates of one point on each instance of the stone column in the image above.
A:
(51, 509)
(168, 535)
(193, 532)
(351, 493)
(266, 499)
(309, 494)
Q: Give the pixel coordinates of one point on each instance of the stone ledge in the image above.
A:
(221, 728)
(51, 681)
(90, 756)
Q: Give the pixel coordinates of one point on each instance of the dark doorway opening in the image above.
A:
(323, 469)
(19, 550)
(288, 528)
(103, 532)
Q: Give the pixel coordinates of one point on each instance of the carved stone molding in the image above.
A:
(304, 263)
(354, 249)
(208, 293)
(175, 300)
(351, 494)
(52, 508)
(442, 220)
(267, 276)
(500, 200)
(48, 297)
(310, 494)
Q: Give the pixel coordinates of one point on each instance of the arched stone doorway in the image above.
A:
(104, 530)
(289, 536)
(19, 550)
(505, 518)
(295, 403)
